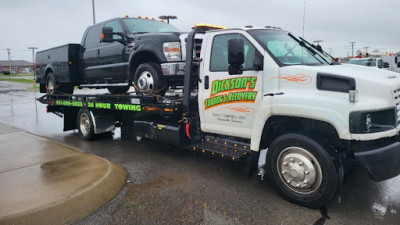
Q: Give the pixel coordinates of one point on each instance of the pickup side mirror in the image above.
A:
(235, 56)
(398, 64)
(385, 65)
(107, 34)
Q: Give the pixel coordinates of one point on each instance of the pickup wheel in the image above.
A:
(302, 170)
(52, 87)
(149, 79)
(85, 124)
(118, 90)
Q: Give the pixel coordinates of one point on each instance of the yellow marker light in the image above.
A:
(222, 156)
(212, 153)
(216, 141)
(69, 62)
(233, 158)
(208, 139)
(245, 153)
(194, 148)
(126, 16)
(210, 26)
(203, 150)
(235, 145)
(139, 17)
(162, 21)
(245, 147)
(225, 142)
(146, 17)
(152, 18)
(235, 150)
(102, 36)
(168, 110)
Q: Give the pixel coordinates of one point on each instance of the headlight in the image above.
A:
(172, 51)
(372, 121)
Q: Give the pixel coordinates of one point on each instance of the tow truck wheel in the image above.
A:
(85, 124)
(302, 170)
(149, 79)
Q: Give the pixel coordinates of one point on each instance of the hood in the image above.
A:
(360, 73)
(375, 86)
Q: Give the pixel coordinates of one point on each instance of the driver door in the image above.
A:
(229, 102)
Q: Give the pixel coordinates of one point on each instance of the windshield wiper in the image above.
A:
(143, 32)
(323, 52)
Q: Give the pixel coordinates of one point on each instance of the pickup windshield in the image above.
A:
(288, 50)
(140, 26)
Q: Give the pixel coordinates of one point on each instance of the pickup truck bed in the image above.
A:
(63, 61)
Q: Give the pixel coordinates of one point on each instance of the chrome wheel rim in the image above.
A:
(146, 81)
(299, 170)
(50, 86)
(84, 124)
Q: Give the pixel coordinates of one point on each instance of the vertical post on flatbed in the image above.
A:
(187, 85)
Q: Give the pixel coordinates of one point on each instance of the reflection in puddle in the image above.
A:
(379, 210)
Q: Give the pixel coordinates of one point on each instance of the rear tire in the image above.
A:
(303, 171)
(149, 79)
(118, 90)
(53, 87)
(85, 124)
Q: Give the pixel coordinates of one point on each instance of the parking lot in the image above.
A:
(169, 185)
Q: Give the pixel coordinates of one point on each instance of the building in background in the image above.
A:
(17, 66)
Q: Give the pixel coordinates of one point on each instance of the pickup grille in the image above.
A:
(396, 95)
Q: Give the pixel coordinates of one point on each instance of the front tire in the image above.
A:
(149, 79)
(85, 124)
(302, 170)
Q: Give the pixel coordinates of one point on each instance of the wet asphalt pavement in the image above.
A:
(168, 185)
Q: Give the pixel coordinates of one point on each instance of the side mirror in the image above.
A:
(385, 65)
(398, 64)
(107, 34)
(235, 56)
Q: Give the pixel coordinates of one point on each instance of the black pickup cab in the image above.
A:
(115, 53)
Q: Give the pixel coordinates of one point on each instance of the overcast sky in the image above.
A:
(49, 23)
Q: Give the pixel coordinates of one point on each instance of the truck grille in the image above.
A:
(396, 94)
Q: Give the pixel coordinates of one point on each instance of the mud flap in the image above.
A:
(252, 163)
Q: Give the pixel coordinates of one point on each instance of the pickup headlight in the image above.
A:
(372, 121)
(172, 51)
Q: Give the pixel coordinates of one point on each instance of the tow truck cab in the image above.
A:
(287, 98)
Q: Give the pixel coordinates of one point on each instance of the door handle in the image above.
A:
(98, 52)
(206, 82)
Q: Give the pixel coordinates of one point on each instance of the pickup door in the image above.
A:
(112, 56)
(104, 62)
(229, 102)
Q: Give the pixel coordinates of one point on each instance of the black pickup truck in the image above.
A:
(112, 55)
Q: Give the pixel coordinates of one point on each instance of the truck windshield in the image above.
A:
(288, 50)
(136, 26)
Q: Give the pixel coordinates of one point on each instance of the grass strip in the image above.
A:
(18, 80)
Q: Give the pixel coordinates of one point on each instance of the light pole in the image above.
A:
(94, 15)
(33, 61)
(318, 41)
(9, 59)
(170, 17)
(352, 48)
